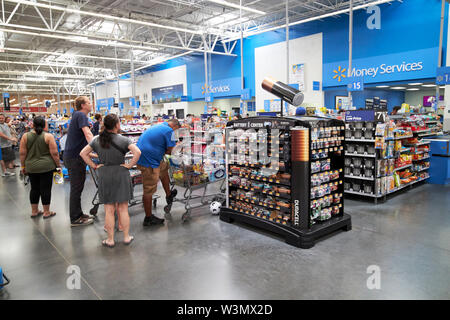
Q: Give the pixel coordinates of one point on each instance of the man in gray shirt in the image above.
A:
(6, 141)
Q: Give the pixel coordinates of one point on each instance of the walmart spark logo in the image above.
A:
(204, 88)
(339, 73)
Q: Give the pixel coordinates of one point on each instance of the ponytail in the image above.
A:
(38, 125)
(105, 136)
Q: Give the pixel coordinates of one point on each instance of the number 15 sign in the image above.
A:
(443, 75)
(355, 84)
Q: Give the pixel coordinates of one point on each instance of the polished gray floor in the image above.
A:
(408, 238)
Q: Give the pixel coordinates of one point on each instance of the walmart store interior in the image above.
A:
(302, 143)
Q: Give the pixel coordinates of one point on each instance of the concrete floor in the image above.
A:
(408, 237)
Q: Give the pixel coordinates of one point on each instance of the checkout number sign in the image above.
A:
(355, 84)
(443, 75)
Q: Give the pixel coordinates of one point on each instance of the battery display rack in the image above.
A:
(285, 175)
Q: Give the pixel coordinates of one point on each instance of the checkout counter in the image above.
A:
(440, 160)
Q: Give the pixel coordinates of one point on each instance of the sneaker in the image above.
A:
(172, 196)
(81, 222)
(152, 220)
(8, 174)
(85, 216)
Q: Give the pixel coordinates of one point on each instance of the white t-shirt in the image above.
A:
(4, 143)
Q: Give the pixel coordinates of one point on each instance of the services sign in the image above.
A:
(219, 88)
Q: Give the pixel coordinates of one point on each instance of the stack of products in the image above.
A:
(392, 166)
(286, 175)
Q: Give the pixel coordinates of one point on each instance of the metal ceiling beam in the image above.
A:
(53, 65)
(45, 75)
(72, 55)
(109, 42)
(323, 16)
(103, 16)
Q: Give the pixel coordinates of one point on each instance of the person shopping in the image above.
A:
(154, 143)
(39, 158)
(6, 144)
(114, 181)
(78, 136)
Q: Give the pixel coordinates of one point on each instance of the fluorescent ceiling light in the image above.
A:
(236, 6)
(429, 85)
(382, 86)
(415, 84)
(413, 89)
(398, 88)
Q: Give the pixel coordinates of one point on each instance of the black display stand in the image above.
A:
(302, 229)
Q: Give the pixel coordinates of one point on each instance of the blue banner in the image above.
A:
(132, 102)
(219, 88)
(419, 64)
(6, 95)
(360, 115)
(443, 75)
(167, 94)
(246, 94)
(316, 85)
(105, 103)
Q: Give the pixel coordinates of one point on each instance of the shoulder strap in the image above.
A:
(115, 146)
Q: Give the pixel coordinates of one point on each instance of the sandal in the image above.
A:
(105, 244)
(52, 214)
(37, 214)
(128, 243)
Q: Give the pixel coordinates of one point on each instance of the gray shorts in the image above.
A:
(8, 154)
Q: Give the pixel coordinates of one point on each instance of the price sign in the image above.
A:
(355, 84)
(443, 75)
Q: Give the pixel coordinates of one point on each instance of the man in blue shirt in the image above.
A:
(154, 143)
(78, 136)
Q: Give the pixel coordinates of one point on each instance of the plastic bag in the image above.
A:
(58, 177)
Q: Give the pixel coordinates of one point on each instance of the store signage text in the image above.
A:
(218, 88)
(383, 69)
(296, 212)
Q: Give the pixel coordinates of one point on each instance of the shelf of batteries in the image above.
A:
(253, 189)
(326, 196)
(360, 158)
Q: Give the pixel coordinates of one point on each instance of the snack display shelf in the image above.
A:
(431, 121)
(274, 181)
(422, 169)
(407, 185)
(359, 178)
(363, 194)
(132, 132)
(405, 150)
(418, 144)
(422, 131)
(264, 192)
(261, 217)
(262, 204)
(404, 167)
(431, 134)
(424, 158)
(401, 138)
(360, 155)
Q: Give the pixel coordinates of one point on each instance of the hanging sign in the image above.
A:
(246, 94)
(355, 84)
(443, 75)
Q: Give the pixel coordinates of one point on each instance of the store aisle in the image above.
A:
(408, 238)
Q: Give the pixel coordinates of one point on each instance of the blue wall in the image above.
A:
(394, 98)
(411, 25)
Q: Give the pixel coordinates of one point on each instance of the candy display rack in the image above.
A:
(285, 175)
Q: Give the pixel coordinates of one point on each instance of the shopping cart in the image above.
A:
(194, 177)
(136, 179)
